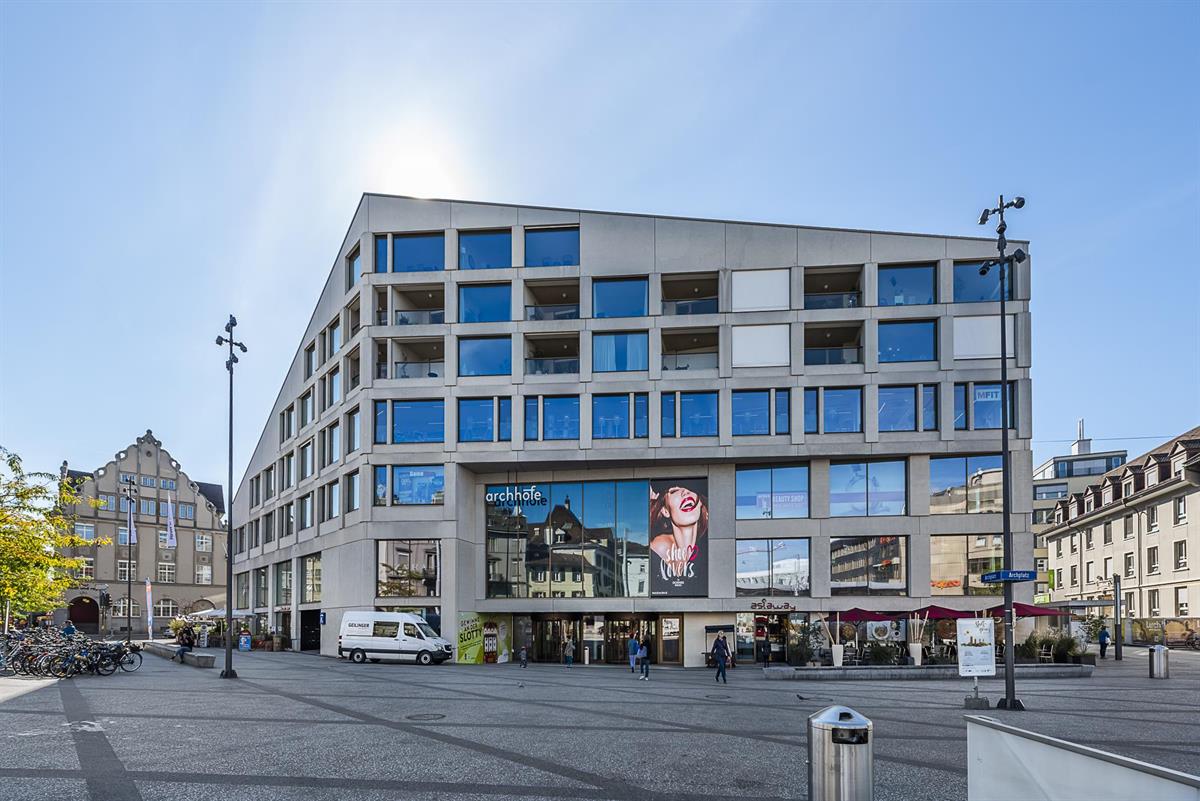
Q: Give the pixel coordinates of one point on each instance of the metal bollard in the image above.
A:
(840, 756)
(1160, 663)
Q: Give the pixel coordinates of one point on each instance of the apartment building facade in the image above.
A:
(187, 575)
(539, 425)
(1133, 521)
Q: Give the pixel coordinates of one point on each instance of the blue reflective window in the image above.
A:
(783, 411)
(418, 485)
(610, 416)
(843, 410)
(353, 269)
(641, 415)
(960, 407)
(620, 297)
(480, 250)
(504, 419)
(897, 408)
(418, 421)
(908, 341)
(697, 414)
(620, 352)
(668, 414)
(418, 253)
(859, 489)
(810, 411)
(380, 422)
(531, 419)
(548, 247)
(475, 423)
(380, 496)
(560, 417)
(910, 285)
(929, 407)
(772, 492)
(380, 254)
(986, 411)
(484, 303)
(971, 287)
(484, 356)
(751, 412)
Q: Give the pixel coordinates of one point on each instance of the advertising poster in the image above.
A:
(679, 538)
(976, 647)
(484, 639)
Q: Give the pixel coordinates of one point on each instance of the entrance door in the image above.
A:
(671, 640)
(617, 631)
(549, 635)
(310, 630)
(283, 626)
(85, 614)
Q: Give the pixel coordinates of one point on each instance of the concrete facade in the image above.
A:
(365, 304)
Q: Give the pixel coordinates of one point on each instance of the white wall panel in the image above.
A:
(760, 345)
(761, 290)
(979, 337)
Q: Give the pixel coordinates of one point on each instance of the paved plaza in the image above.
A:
(304, 727)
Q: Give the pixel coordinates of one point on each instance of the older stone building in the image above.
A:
(186, 576)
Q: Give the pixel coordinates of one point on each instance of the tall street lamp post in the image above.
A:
(229, 672)
(1005, 263)
(130, 492)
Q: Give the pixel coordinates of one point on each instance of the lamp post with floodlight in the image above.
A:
(229, 672)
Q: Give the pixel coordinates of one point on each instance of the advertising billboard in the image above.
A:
(679, 538)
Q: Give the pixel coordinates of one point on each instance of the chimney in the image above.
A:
(1081, 445)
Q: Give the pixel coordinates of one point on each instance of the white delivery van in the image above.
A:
(390, 635)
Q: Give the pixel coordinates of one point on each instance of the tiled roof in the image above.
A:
(1157, 454)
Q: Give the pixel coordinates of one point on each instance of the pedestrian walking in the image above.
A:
(644, 657)
(569, 651)
(720, 652)
(633, 646)
(1103, 637)
(69, 629)
(524, 656)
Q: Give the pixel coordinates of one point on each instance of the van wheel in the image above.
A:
(424, 658)
(357, 656)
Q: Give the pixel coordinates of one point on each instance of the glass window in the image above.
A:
(985, 408)
(352, 432)
(965, 484)
(380, 495)
(960, 407)
(908, 285)
(531, 419)
(619, 297)
(843, 410)
(620, 352)
(810, 411)
(484, 303)
(418, 486)
(668, 414)
(908, 341)
(380, 417)
(1049, 492)
(418, 253)
(772, 492)
(283, 583)
(897, 408)
(868, 566)
(380, 253)
(859, 489)
(610, 416)
(957, 565)
(479, 250)
(409, 568)
(310, 571)
(697, 414)
(929, 407)
(777, 567)
(751, 412)
(549, 247)
(971, 287)
(783, 403)
(641, 415)
(475, 423)
(504, 419)
(418, 421)
(484, 356)
(560, 417)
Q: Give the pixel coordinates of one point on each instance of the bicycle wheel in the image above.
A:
(106, 666)
(131, 661)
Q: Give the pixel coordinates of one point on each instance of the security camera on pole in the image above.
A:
(1005, 263)
(229, 672)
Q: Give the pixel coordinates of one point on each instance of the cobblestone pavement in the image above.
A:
(303, 727)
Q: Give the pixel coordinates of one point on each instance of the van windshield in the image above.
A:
(427, 629)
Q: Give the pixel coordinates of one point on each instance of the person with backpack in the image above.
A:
(720, 652)
(644, 656)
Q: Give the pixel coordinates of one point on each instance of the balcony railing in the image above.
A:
(690, 361)
(381, 317)
(380, 370)
(832, 300)
(553, 311)
(557, 365)
(690, 306)
(851, 355)
(420, 316)
(425, 369)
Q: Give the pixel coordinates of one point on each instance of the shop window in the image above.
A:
(868, 565)
(772, 492)
(409, 568)
(867, 488)
(775, 567)
(965, 484)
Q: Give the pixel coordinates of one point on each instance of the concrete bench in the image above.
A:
(167, 650)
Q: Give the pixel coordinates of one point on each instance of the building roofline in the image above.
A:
(1071, 456)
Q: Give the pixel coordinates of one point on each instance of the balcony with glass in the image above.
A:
(419, 306)
(692, 293)
(833, 344)
(552, 300)
(833, 288)
(691, 350)
(418, 359)
(552, 356)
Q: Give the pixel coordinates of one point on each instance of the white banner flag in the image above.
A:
(170, 523)
(149, 611)
(132, 527)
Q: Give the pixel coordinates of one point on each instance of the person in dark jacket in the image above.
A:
(632, 647)
(69, 629)
(186, 640)
(720, 652)
(1103, 637)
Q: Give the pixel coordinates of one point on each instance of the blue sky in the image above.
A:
(165, 165)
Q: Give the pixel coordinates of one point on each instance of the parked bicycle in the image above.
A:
(50, 654)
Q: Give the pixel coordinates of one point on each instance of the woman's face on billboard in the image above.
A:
(682, 506)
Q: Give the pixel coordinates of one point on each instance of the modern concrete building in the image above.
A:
(542, 425)
(1133, 521)
(1058, 478)
(186, 576)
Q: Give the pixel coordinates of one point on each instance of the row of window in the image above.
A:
(310, 583)
(165, 574)
(1150, 526)
(327, 502)
(162, 608)
(87, 531)
(147, 481)
(1129, 568)
(150, 507)
(477, 250)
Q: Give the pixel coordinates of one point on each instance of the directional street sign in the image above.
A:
(1001, 576)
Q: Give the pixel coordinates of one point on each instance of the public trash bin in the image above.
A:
(840, 756)
(1160, 663)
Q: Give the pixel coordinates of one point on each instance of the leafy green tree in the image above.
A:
(36, 525)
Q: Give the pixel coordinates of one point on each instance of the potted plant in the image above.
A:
(879, 654)
(1065, 646)
(1026, 653)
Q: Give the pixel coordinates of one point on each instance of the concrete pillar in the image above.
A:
(870, 284)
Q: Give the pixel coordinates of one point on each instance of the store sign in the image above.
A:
(772, 606)
(987, 394)
(976, 646)
(484, 639)
(679, 538)
(515, 497)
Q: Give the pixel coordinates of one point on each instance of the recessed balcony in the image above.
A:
(691, 350)
(552, 355)
(833, 288)
(419, 306)
(833, 344)
(691, 293)
(418, 359)
(552, 300)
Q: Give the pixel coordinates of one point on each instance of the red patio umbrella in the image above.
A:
(935, 612)
(859, 615)
(1026, 610)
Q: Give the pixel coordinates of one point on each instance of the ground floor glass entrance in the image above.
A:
(599, 639)
(769, 638)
